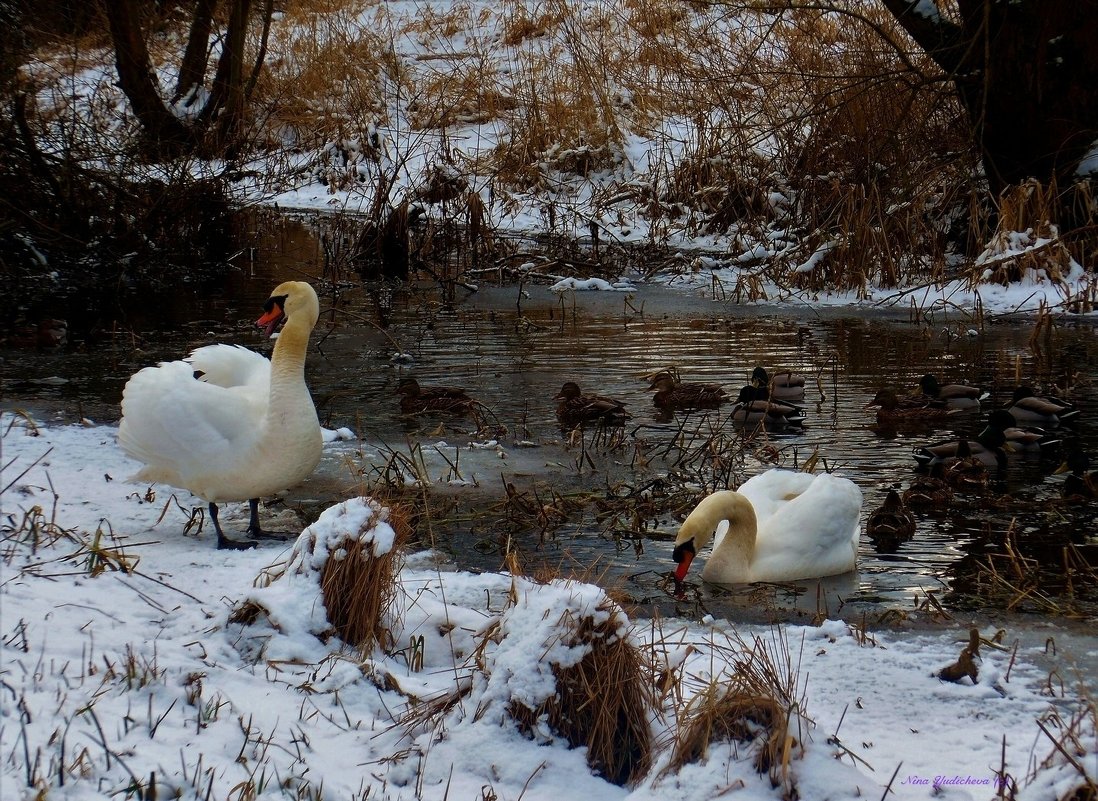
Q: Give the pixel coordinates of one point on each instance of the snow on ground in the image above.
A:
(112, 677)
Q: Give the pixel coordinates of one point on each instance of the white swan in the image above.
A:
(782, 526)
(226, 423)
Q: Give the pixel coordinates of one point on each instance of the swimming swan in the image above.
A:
(782, 526)
(226, 423)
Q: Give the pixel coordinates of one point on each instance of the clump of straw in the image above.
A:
(1027, 240)
(352, 555)
(756, 705)
(576, 671)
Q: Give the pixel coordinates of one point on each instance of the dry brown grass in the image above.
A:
(357, 585)
(1056, 585)
(1032, 209)
(724, 714)
(522, 22)
(602, 702)
(757, 705)
(324, 81)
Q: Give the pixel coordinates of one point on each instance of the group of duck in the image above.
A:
(1023, 427)
(774, 401)
(769, 400)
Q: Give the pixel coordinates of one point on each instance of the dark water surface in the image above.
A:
(513, 347)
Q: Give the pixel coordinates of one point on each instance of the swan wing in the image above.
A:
(231, 366)
(812, 534)
(178, 426)
(773, 489)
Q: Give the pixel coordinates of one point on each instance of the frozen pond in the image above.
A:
(512, 347)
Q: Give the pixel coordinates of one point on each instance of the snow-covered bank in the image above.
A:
(113, 679)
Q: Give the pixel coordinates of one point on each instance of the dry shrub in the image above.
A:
(432, 25)
(757, 705)
(522, 23)
(467, 94)
(1074, 739)
(732, 715)
(878, 160)
(323, 79)
(655, 19)
(603, 701)
(357, 584)
(1026, 239)
(560, 125)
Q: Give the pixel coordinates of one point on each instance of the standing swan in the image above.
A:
(782, 526)
(225, 423)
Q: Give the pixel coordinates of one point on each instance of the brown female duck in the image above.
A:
(574, 408)
(895, 411)
(682, 395)
(928, 492)
(417, 399)
(890, 524)
(965, 471)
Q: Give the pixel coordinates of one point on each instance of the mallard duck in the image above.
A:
(416, 399)
(1026, 407)
(682, 395)
(783, 385)
(226, 423)
(928, 492)
(955, 396)
(964, 471)
(753, 407)
(895, 411)
(1081, 483)
(890, 524)
(575, 408)
(1029, 441)
(989, 447)
(782, 526)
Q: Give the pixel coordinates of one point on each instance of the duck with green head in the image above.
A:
(955, 396)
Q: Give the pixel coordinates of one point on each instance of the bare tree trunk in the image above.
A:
(232, 84)
(226, 101)
(192, 70)
(136, 78)
(261, 56)
(1025, 71)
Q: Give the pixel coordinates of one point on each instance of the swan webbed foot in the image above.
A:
(261, 534)
(223, 542)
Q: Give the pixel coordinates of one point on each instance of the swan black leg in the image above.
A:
(256, 530)
(224, 542)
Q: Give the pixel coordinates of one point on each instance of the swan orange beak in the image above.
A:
(684, 565)
(272, 316)
(683, 555)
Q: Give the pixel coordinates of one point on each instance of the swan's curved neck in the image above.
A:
(738, 545)
(288, 361)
